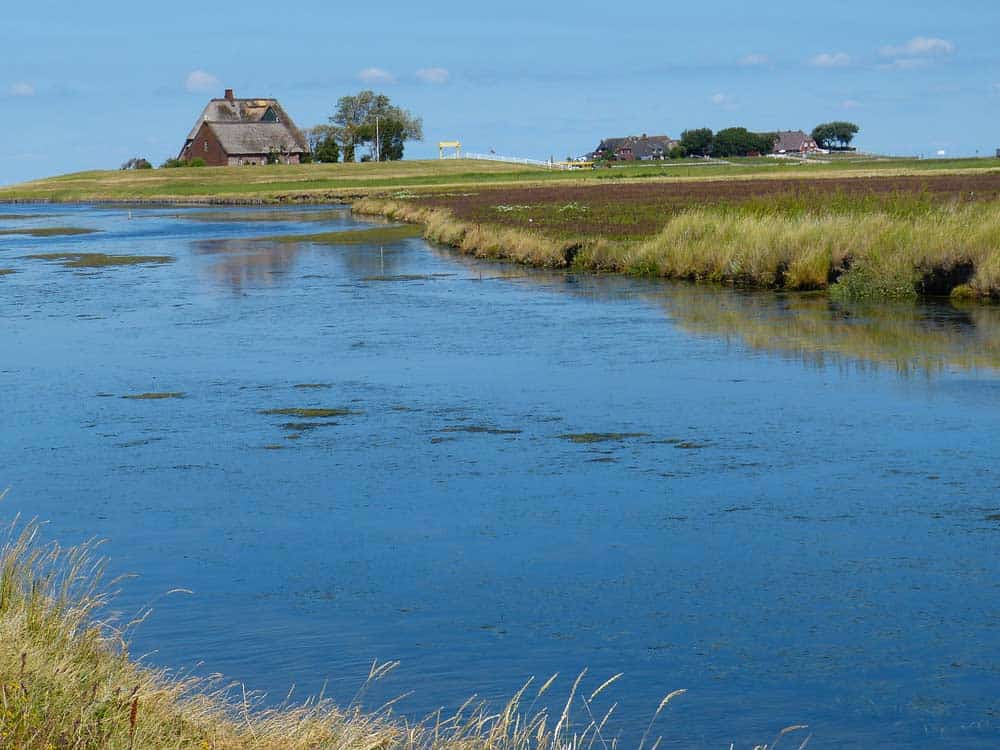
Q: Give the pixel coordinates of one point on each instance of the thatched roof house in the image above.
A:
(636, 147)
(236, 132)
(794, 142)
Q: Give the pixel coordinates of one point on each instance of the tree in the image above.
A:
(137, 162)
(354, 123)
(697, 142)
(835, 135)
(323, 143)
(392, 134)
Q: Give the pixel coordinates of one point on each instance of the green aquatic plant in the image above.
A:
(600, 437)
(305, 426)
(309, 413)
(480, 429)
(100, 260)
(155, 395)
(48, 231)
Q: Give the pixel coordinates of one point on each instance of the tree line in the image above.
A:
(728, 142)
(738, 141)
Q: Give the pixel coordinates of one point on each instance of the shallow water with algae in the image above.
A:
(379, 448)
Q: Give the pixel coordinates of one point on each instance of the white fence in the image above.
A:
(514, 160)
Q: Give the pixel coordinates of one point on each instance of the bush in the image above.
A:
(176, 163)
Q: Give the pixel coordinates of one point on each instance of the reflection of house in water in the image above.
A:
(248, 263)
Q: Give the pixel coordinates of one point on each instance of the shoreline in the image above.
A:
(872, 256)
(923, 230)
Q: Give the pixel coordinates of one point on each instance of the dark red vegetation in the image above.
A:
(636, 209)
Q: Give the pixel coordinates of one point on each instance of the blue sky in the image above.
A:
(87, 85)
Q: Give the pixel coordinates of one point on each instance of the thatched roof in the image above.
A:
(642, 146)
(263, 119)
(792, 140)
(238, 138)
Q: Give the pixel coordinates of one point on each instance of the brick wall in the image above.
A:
(206, 146)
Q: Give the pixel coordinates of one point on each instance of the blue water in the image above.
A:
(796, 532)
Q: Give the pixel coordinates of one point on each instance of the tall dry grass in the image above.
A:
(480, 240)
(868, 253)
(67, 682)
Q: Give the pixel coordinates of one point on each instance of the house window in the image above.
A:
(205, 144)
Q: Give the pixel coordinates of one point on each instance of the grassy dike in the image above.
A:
(328, 183)
(901, 248)
(67, 681)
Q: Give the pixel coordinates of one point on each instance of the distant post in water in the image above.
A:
(457, 145)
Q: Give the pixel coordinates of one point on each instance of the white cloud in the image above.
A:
(376, 75)
(753, 61)
(920, 46)
(434, 75)
(831, 60)
(199, 81)
(906, 63)
(722, 100)
(21, 89)
(850, 104)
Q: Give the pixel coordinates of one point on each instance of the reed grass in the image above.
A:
(480, 240)
(67, 681)
(905, 248)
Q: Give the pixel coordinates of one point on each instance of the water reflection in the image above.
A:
(243, 263)
(920, 338)
(913, 338)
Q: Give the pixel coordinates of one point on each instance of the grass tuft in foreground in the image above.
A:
(67, 681)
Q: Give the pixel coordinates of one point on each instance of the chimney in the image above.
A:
(229, 95)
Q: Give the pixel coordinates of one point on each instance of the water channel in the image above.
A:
(788, 506)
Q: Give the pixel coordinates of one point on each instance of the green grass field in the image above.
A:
(339, 182)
